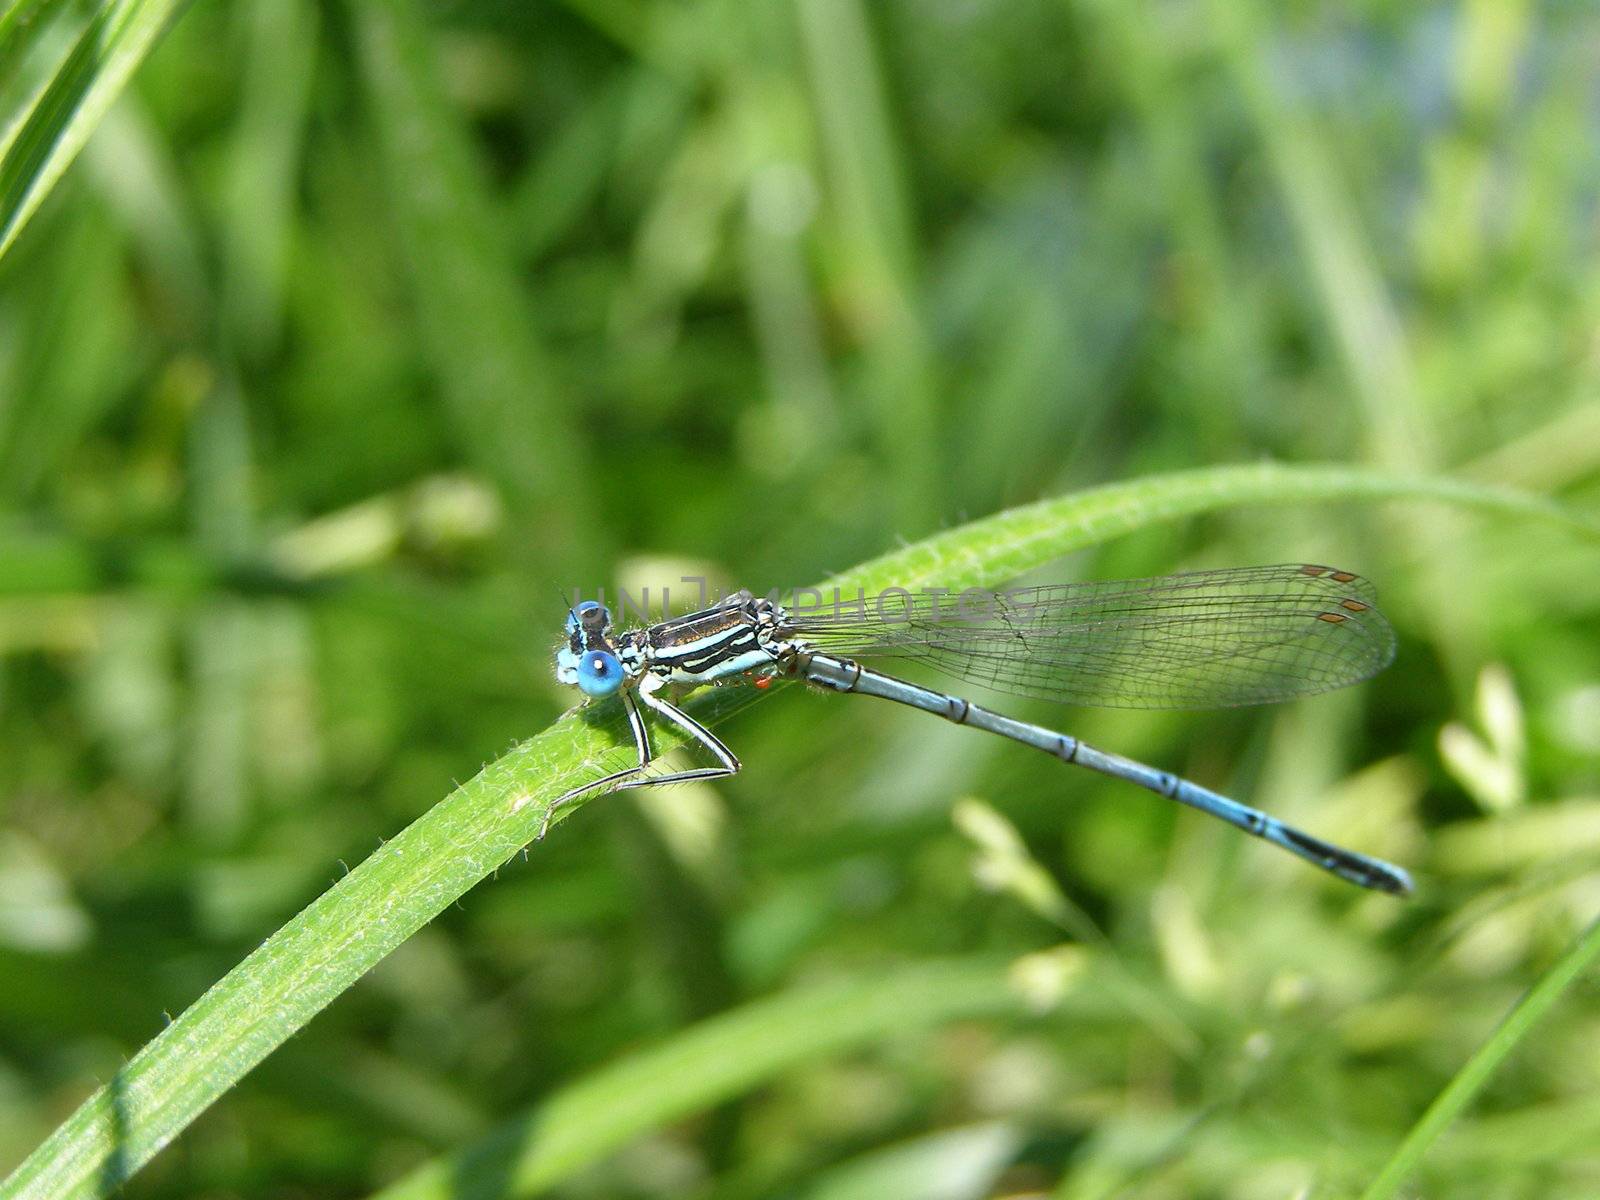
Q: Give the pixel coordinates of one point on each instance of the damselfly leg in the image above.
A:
(634, 776)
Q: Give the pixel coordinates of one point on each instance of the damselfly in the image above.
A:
(1207, 639)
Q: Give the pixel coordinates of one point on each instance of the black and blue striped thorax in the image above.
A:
(743, 633)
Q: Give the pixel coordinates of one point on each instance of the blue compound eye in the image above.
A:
(599, 673)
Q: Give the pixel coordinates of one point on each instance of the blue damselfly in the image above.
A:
(1206, 639)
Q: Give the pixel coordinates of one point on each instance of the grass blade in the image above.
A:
(20, 27)
(874, 231)
(1469, 1081)
(952, 1164)
(1362, 315)
(480, 337)
(702, 1066)
(462, 839)
(1021, 538)
(66, 110)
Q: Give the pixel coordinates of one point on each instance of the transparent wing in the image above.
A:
(1206, 639)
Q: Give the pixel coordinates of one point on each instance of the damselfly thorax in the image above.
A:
(743, 633)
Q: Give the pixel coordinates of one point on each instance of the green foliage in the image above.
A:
(74, 92)
(458, 842)
(723, 1057)
(1476, 1071)
(358, 330)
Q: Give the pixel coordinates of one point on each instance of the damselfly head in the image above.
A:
(587, 659)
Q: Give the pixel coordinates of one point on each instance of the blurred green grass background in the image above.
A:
(360, 329)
